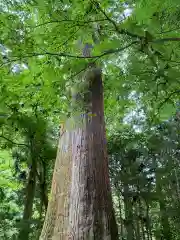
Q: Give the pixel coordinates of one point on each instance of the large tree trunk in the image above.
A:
(56, 220)
(89, 203)
(91, 211)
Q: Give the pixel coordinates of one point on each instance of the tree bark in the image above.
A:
(128, 213)
(89, 206)
(166, 230)
(56, 220)
(91, 211)
(28, 206)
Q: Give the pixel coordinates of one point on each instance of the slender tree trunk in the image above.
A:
(137, 222)
(166, 230)
(28, 206)
(120, 215)
(128, 214)
(148, 223)
(177, 184)
(141, 222)
(143, 231)
(44, 197)
(43, 186)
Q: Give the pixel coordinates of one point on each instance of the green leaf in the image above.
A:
(167, 111)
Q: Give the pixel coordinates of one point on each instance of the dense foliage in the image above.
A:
(137, 45)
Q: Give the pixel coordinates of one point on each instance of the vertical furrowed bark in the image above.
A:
(91, 210)
(81, 206)
(56, 221)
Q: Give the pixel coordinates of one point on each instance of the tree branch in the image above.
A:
(66, 41)
(124, 31)
(70, 20)
(168, 98)
(173, 39)
(111, 51)
(7, 139)
(117, 49)
(120, 31)
(168, 31)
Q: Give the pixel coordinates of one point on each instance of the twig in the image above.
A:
(70, 20)
(124, 31)
(120, 31)
(168, 31)
(67, 40)
(173, 39)
(168, 98)
(7, 139)
(117, 50)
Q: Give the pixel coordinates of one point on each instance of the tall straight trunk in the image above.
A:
(56, 220)
(43, 186)
(120, 215)
(148, 222)
(141, 222)
(165, 225)
(143, 231)
(28, 206)
(166, 230)
(128, 213)
(91, 210)
(88, 200)
(137, 227)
